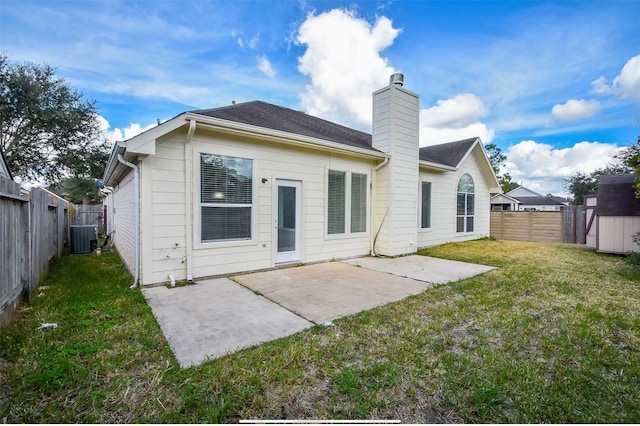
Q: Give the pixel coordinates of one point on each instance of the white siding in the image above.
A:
(123, 220)
(615, 233)
(444, 186)
(166, 210)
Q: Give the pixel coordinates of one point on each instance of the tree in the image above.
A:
(47, 130)
(497, 160)
(581, 184)
(631, 157)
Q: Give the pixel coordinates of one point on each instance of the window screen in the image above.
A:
(358, 202)
(226, 197)
(336, 202)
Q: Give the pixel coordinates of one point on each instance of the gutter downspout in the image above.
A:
(373, 203)
(136, 219)
(187, 190)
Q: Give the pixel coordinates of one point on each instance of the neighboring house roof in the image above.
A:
(263, 114)
(448, 154)
(501, 198)
(540, 201)
(4, 166)
(521, 191)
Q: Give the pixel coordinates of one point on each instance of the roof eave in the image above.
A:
(436, 166)
(118, 148)
(494, 186)
(506, 196)
(279, 136)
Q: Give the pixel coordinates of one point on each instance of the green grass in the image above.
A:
(551, 336)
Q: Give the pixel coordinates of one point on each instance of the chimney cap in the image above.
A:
(397, 78)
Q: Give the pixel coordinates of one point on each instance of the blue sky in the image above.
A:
(556, 85)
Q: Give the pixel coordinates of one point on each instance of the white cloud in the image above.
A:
(455, 113)
(265, 66)
(434, 136)
(242, 42)
(543, 168)
(117, 134)
(626, 85)
(601, 87)
(454, 119)
(343, 60)
(575, 109)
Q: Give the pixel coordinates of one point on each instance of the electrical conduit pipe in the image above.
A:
(373, 204)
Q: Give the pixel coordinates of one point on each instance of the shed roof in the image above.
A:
(616, 196)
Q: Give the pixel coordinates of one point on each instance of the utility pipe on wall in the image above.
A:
(136, 218)
(373, 205)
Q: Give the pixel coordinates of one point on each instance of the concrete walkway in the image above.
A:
(215, 317)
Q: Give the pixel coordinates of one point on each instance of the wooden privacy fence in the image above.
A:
(566, 226)
(88, 214)
(33, 231)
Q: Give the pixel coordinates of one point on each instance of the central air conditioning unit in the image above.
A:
(84, 238)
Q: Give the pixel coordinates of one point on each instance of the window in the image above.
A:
(226, 198)
(465, 204)
(345, 186)
(426, 205)
(337, 197)
(358, 202)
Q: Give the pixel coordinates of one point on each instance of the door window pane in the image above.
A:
(286, 218)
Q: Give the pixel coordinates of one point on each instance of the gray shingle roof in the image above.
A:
(263, 114)
(540, 201)
(449, 154)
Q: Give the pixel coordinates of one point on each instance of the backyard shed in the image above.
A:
(613, 215)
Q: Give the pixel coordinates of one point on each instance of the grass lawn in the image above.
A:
(552, 335)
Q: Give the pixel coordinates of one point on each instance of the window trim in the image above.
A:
(198, 243)
(348, 233)
(421, 224)
(466, 216)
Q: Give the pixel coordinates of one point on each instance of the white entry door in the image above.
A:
(287, 221)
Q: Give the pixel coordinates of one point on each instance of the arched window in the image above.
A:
(466, 201)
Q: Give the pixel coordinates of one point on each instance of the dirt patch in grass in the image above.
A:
(552, 335)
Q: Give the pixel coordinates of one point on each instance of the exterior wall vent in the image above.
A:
(397, 78)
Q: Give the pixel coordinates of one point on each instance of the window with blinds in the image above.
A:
(425, 221)
(358, 202)
(347, 202)
(336, 202)
(226, 197)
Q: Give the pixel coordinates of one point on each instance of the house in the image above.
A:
(524, 199)
(4, 167)
(613, 215)
(253, 185)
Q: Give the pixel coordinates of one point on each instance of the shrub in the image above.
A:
(633, 258)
